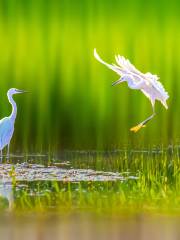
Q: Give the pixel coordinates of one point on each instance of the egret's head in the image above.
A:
(122, 79)
(13, 91)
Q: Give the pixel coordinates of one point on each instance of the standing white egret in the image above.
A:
(147, 83)
(7, 123)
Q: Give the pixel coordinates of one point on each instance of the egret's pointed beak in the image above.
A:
(117, 82)
(22, 91)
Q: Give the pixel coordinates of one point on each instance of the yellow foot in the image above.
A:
(137, 128)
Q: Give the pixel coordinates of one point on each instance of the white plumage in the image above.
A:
(7, 123)
(147, 83)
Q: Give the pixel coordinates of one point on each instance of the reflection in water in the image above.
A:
(6, 193)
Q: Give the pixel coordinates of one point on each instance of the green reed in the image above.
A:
(154, 185)
(47, 46)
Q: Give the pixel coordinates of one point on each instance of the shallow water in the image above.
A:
(31, 171)
(90, 195)
(19, 171)
(37, 172)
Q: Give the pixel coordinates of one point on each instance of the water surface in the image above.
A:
(122, 194)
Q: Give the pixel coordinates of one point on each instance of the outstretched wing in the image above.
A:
(127, 65)
(124, 66)
(153, 79)
(118, 69)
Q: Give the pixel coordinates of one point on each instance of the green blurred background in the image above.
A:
(46, 47)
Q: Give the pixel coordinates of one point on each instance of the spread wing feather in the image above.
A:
(126, 64)
(153, 79)
(118, 69)
(125, 67)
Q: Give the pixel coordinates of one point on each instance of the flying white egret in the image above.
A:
(146, 82)
(7, 123)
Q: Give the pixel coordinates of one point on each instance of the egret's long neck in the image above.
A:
(14, 107)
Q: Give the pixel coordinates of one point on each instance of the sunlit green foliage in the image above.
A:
(46, 47)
